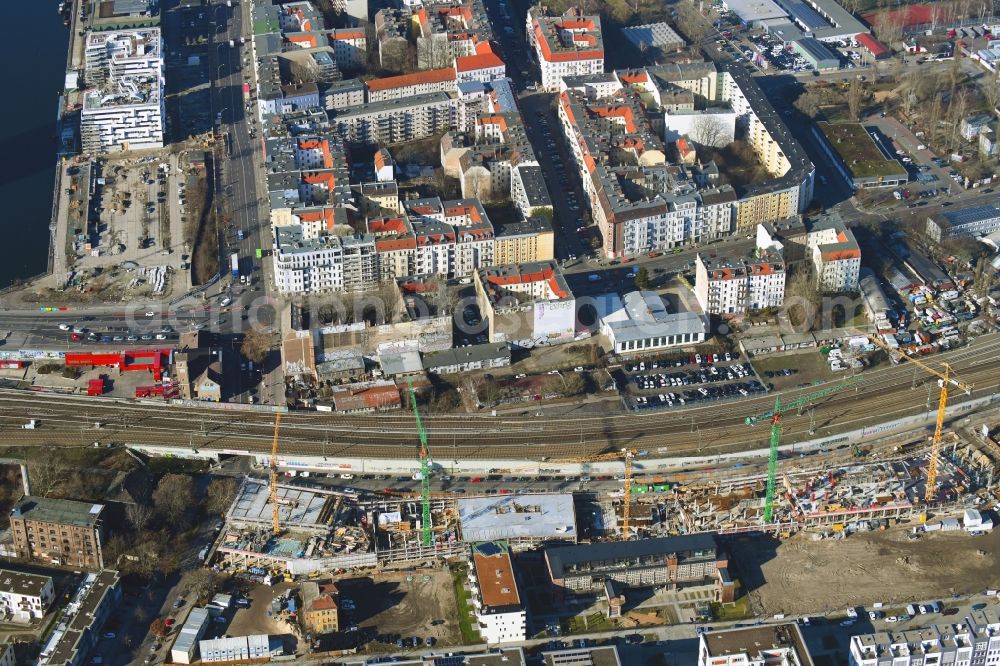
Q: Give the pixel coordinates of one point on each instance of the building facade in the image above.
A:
(973, 641)
(24, 597)
(671, 562)
(499, 612)
(57, 531)
(567, 45)
(755, 646)
(526, 305)
(396, 120)
(836, 256)
(736, 285)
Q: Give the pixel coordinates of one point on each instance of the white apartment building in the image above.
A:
(740, 284)
(499, 612)
(567, 45)
(324, 264)
(396, 120)
(836, 256)
(974, 641)
(123, 107)
(350, 47)
(757, 646)
(405, 86)
(24, 597)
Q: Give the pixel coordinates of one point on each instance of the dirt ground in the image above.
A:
(405, 604)
(804, 576)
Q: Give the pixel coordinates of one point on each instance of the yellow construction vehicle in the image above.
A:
(945, 379)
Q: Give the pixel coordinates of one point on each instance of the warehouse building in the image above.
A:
(976, 221)
(638, 322)
(58, 531)
(816, 53)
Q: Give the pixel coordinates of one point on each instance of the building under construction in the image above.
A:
(321, 530)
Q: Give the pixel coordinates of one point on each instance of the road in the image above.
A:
(706, 429)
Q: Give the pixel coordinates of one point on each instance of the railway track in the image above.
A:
(703, 429)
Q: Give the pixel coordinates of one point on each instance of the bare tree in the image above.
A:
(47, 476)
(257, 343)
(709, 130)
(138, 515)
(855, 97)
(173, 496)
(220, 495)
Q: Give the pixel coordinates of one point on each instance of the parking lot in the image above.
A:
(682, 379)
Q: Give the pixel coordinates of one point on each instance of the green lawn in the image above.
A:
(738, 610)
(469, 634)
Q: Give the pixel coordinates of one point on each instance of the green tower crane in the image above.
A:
(426, 532)
(775, 417)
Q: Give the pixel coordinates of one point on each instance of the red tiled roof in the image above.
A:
(302, 39)
(485, 58)
(347, 33)
(840, 255)
(563, 56)
(416, 78)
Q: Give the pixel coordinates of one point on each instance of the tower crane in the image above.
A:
(426, 529)
(945, 379)
(275, 515)
(774, 416)
(623, 454)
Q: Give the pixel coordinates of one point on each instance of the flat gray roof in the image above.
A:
(598, 656)
(296, 505)
(517, 516)
(60, 511)
(653, 34)
(561, 557)
(27, 584)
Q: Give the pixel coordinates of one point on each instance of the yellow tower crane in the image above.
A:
(624, 454)
(945, 379)
(275, 515)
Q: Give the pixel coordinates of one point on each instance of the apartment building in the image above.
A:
(567, 45)
(447, 30)
(397, 120)
(123, 105)
(392, 30)
(24, 597)
(972, 641)
(500, 613)
(527, 305)
(410, 85)
(81, 625)
(638, 200)
(528, 241)
(735, 284)
(484, 65)
(754, 646)
(323, 264)
(836, 256)
(58, 531)
(350, 47)
(672, 562)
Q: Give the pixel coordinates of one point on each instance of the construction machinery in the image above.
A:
(623, 454)
(945, 379)
(775, 417)
(275, 515)
(426, 529)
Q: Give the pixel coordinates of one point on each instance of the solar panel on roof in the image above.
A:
(449, 661)
(488, 549)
